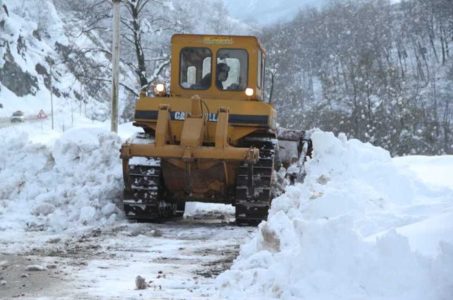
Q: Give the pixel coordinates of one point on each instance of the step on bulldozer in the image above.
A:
(212, 137)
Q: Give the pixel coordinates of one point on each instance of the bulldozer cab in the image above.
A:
(222, 67)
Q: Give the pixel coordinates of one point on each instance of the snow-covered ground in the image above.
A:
(362, 226)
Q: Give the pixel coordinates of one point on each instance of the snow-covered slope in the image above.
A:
(362, 226)
(41, 51)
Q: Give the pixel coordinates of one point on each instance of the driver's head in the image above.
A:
(222, 71)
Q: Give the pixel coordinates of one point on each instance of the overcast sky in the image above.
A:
(267, 11)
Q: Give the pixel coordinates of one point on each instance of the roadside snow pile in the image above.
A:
(340, 235)
(74, 184)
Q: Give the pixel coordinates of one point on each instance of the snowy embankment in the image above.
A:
(362, 226)
(72, 184)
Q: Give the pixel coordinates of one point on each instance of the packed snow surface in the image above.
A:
(362, 226)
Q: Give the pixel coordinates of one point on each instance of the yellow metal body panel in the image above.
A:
(178, 151)
(163, 131)
(245, 116)
(192, 132)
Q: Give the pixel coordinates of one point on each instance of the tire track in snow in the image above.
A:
(179, 259)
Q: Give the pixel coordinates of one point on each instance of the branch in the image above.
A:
(131, 90)
(156, 73)
(141, 7)
(125, 23)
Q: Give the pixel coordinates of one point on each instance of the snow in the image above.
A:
(55, 187)
(432, 170)
(362, 226)
(194, 208)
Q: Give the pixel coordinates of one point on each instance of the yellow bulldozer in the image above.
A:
(211, 137)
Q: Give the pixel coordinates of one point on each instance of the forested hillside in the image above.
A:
(379, 72)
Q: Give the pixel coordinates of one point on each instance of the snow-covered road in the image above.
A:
(179, 259)
(5, 122)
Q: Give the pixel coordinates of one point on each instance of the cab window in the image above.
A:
(231, 69)
(195, 68)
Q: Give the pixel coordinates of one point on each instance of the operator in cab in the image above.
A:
(222, 76)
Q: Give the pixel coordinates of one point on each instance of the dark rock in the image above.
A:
(36, 34)
(140, 283)
(15, 79)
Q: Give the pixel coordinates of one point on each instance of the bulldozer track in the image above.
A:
(141, 201)
(254, 183)
(146, 199)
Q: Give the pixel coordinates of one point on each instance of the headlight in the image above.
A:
(159, 90)
(249, 92)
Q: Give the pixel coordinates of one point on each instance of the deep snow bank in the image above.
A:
(73, 184)
(336, 236)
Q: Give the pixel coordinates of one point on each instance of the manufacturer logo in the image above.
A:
(217, 40)
(181, 116)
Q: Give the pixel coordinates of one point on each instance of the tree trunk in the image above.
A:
(141, 66)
